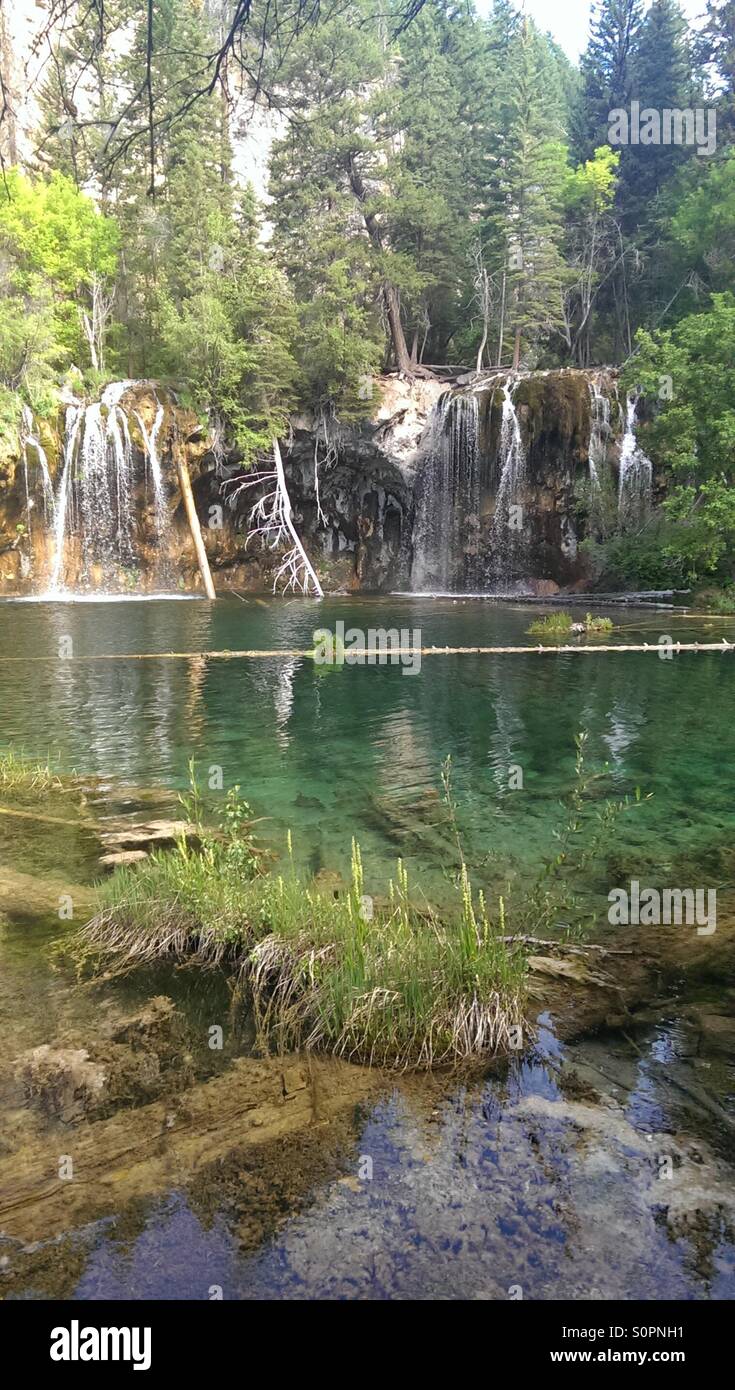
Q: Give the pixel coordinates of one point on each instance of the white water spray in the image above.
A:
(73, 421)
(636, 473)
(599, 435)
(507, 537)
(95, 495)
(160, 498)
(446, 545)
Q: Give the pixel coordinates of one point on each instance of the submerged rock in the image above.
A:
(63, 1081)
(132, 1061)
(126, 839)
(122, 858)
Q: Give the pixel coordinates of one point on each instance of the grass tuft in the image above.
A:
(557, 624)
(386, 981)
(18, 773)
(562, 624)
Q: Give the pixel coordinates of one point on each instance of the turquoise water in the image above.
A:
(360, 750)
(475, 1188)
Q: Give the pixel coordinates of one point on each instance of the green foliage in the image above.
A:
(703, 221)
(688, 374)
(557, 624)
(562, 624)
(402, 988)
(657, 557)
(55, 247)
(720, 601)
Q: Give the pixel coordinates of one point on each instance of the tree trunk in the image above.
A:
(390, 293)
(398, 337)
(288, 518)
(517, 351)
(193, 519)
(501, 336)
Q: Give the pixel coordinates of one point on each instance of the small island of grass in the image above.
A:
(562, 624)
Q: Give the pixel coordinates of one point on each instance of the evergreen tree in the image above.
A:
(607, 68)
(661, 80)
(328, 176)
(715, 46)
(433, 183)
(527, 164)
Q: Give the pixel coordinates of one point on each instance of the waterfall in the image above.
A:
(95, 496)
(446, 545)
(159, 487)
(636, 473)
(71, 433)
(29, 440)
(599, 435)
(448, 551)
(507, 537)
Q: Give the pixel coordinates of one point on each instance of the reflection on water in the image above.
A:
(360, 750)
(473, 1191)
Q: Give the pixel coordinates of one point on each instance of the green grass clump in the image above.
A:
(593, 624)
(389, 981)
(562, 624)
(553, 625)
(18, 773)
(715, 600)
(400, 987)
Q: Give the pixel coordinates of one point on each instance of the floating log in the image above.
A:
(366, 656)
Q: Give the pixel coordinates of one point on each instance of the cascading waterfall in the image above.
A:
(159, 487)
(95, 497)
(71, 434)
(599, 435)
(29, 440)
(508, 538)
(496, 499)
(446, 545)
(448, 550)
(636, 472)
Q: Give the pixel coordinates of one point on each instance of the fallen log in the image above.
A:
(193, 520)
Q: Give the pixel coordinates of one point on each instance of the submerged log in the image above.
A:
(141, 1151)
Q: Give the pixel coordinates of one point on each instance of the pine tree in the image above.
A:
(433, 183)
(715, 46)
(607, 68)
(329, 174)
(661, 80)
(527, 166)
